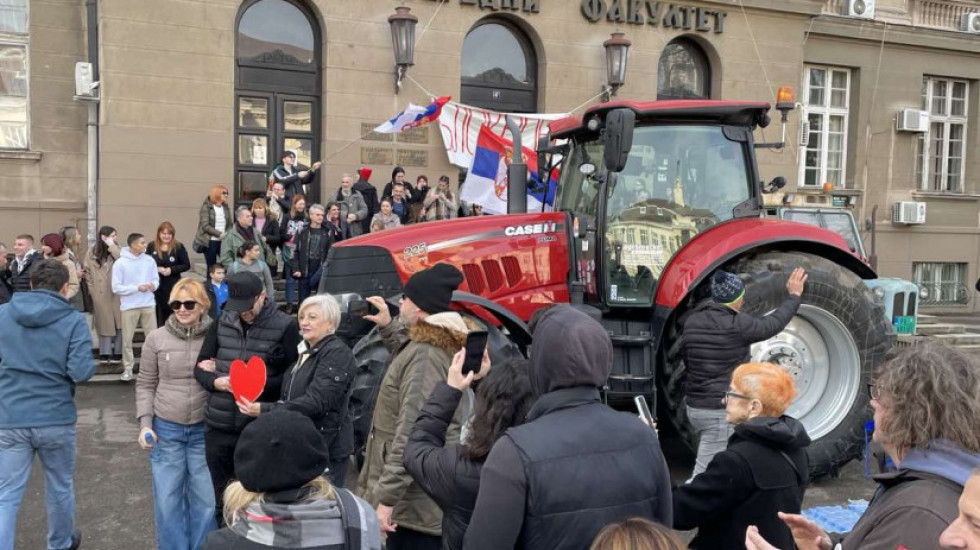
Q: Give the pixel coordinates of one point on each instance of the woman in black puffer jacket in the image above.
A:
(319, 384)
(451, 475)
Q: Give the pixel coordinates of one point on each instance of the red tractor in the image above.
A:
(653, 197)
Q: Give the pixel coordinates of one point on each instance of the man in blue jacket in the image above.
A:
(45, 349)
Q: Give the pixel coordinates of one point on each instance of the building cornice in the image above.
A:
(802, 7)
(873, 31)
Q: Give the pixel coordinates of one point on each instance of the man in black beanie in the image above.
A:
(714, 340)
(422, 342)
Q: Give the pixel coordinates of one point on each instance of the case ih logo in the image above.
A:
(534, 229)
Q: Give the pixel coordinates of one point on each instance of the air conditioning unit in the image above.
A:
(909, 213)
(970, 22)
(912, 120)
(861, 9)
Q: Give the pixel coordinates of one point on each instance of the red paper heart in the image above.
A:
(247, 380)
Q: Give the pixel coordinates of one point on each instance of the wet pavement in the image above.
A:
(114, 507)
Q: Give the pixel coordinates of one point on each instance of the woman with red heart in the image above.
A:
(170, 406)
(319, 384)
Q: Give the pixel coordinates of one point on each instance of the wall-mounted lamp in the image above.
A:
(402, 24)
(617, 50)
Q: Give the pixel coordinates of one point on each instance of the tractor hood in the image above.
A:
(519, 261)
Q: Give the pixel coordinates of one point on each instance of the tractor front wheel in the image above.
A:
(830, 348)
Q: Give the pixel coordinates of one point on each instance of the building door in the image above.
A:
(277, 92)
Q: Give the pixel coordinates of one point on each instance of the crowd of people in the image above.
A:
(516, 454)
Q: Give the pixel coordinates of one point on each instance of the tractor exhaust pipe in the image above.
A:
(516, 172)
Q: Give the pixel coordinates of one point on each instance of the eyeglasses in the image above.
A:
(189, 305)
(730, 395)
(873, 391)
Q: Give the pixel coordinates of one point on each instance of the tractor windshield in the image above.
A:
(679, 181)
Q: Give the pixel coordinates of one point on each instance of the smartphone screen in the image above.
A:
(358, 308)
(644, 410)
(476, 342)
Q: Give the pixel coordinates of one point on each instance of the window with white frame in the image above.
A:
(13, 74)
(941, 282)
(826, 93)
(942, 148)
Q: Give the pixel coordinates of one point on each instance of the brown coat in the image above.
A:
(911, 508)
(72, 274)
(105, 304)
(418, 367)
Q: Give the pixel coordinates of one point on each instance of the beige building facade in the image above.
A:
(195, 93)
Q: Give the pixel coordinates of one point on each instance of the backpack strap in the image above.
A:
(348, 506)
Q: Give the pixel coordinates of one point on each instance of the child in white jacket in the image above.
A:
(134, 278)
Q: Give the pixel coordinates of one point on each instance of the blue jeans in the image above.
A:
(55, 445)
(183, 499)
(310, 284)
(212, 252)
(287, 274)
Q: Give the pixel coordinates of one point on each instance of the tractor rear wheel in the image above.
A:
(838, 336)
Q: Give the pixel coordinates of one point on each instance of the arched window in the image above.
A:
(277, 92)
(499, 69)
(684, 72)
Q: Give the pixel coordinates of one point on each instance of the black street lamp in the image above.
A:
(617, 50)
(402, 24)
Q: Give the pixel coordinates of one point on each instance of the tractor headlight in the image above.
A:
(879, 294)
(923, 293)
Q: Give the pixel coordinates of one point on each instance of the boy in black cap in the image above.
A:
(282, 499)
(422, 341)
(716, 339)
(250, 325)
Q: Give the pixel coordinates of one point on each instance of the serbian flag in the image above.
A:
(413, 116)
(486, 181)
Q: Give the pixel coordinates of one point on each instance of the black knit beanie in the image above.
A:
(280, 451)
(432, 290)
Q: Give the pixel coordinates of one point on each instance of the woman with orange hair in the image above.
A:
(171, 258)
(763, 471)
(213, 221)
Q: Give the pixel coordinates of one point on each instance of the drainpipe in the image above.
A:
(92, 16)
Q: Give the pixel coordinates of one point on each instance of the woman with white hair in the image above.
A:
(319, 384)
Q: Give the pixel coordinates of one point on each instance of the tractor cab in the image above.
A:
(689, 167)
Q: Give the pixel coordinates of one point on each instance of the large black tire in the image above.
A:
(834, 296)
(372, 360)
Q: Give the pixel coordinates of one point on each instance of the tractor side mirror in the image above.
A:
(619, 138)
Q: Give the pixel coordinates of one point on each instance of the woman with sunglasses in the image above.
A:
(763, 471)
(170, 407)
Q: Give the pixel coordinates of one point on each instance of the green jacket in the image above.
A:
(233, 240)
(421, 360)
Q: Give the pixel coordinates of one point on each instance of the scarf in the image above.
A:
(248, 234)
(290, 519)
(188, 333)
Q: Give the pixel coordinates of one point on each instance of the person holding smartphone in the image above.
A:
(451, 474)
(422, 340)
